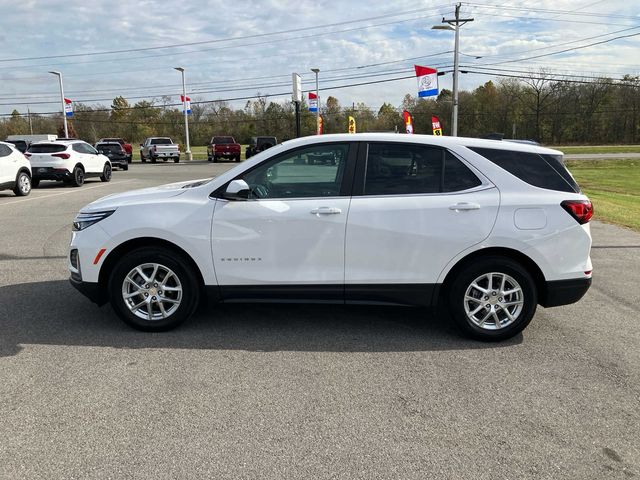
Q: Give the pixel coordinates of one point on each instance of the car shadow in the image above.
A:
(53, 313)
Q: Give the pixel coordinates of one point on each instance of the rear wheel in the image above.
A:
(106, 173)
(153, 289)
(35, 182)
(215, 159)
(77, 176)
(125, 167)
(176, 160)
(493, 299)
(23, 185)
(153, 159)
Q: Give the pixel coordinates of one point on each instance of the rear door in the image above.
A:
(287, 239)
(415, 207)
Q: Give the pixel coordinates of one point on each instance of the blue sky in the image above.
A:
(350, 41)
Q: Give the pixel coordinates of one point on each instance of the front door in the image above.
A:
(287, 239)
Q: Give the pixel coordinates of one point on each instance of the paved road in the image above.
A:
(255, 391)
(600, 156)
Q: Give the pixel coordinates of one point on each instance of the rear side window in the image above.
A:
(4, 150)
(544, 171)
(222, 140)
(161, 141)
(109, 148)
(400, 169)
(46, 148)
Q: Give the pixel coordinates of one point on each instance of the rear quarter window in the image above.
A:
(543, 171)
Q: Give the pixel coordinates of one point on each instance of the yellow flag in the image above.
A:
(352, 124)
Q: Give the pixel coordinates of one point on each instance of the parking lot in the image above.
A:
(303, 391)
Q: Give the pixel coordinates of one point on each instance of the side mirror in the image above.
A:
(237, 190)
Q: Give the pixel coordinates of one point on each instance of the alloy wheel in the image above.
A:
(493, 301)
(152, 291)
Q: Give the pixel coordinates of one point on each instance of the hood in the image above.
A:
(142, 196)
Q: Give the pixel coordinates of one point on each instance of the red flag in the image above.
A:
(408, 121)
(435, 124)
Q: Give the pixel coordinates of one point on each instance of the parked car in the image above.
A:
(128, 148)
(15, 170)
(114, 152)
(223, 147)
(258, 144)
(487, 229)
(159, 148)
(69, 161)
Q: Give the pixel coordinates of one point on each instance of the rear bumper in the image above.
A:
(50, 173)
(564, 292)
(90, 290)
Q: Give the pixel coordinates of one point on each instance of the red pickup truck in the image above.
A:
(223, 147)
(126, 146)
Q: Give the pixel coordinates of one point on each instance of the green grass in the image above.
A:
(599, 149)
(614, 188)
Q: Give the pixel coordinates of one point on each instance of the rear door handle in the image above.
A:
(325, 211)
(465, 206)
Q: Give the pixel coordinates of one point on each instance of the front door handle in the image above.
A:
(325, 211)
(465, 206)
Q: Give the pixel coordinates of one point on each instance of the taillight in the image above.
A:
(178, 148)
(27, 154)
(581, 210)
(61, 155)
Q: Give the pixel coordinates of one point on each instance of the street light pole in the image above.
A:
(64, 114)
(186, 117)
(316, 71)
(458, 22)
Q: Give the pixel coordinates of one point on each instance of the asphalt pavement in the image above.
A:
(304, 391)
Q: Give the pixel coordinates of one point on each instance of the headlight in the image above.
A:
(84, 220)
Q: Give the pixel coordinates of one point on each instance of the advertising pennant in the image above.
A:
(427, 81)
(408, 121)
(186, 103)
(313, 102)
(68, 107)
(435, 124)
(352, 124)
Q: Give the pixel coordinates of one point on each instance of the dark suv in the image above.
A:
(116, 153)
(259, 144)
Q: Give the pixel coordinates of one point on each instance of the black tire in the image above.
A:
(480, 271)
(125, 167)
(35, 183)
(208, 158)
(176, 160)
(237, 159)
(107, 171)
(215, 159)
(153, 159)
(142, 158)
(23, 185)
(168, 259)
(77, 176)
(129, 158)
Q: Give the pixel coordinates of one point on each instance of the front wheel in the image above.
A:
(106, 173)
(23, 185)
(176, 160)
(153, 289)
(493, 299)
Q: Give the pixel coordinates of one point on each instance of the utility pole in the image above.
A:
(455, 24)
(64, 114)
(316, 71)
(29, 117)
(188, 156)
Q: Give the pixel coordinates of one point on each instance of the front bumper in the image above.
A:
(564, 292)
(90, 290)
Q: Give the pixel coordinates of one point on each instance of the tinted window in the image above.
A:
(397, 169)
(21, 145)
(109, 148)
(532, 168)
(4, 150)
(79, 147)
(222, 140)
(161, 141)
(46, 148)
(457, 176)
(314, 171)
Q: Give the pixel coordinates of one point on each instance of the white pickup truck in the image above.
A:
(159, 148)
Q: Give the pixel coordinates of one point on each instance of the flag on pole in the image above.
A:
(313, 102)
(427, 81)
(68, 107)
(320, 125)
(352, 124)
(408, 121)
(435, 124)
(186, 103)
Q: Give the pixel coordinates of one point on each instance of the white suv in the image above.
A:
(70, 161)
(15, 170)
(488, 228)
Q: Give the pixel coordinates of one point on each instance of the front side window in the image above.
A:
(314, 171)
(405, 169)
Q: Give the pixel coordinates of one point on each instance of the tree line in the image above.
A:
(550, 111)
